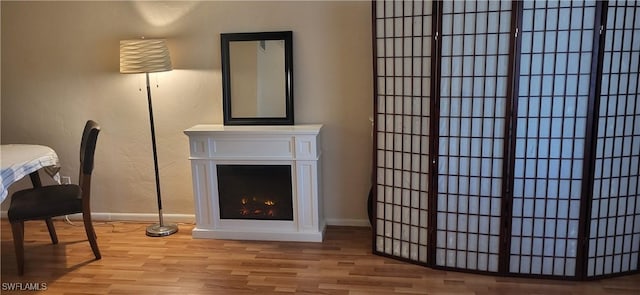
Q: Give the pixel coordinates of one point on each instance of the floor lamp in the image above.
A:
(149, 56)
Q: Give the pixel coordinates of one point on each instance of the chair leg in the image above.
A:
(17, 228)
(52, 231)
(91, 234)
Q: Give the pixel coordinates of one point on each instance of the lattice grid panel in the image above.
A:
(403, 48)
(546, 146)
(474, 78)
(614, 241)
(555, 67)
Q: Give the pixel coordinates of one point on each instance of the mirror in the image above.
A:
(257, 78)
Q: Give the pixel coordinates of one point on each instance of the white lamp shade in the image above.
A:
(144, 56)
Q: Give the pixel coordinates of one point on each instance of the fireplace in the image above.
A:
(261, 192)
(257, 182)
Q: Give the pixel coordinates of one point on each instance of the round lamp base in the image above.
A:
(156, 230)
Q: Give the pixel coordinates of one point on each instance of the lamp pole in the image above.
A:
(160, 229)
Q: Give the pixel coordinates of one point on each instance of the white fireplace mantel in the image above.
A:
(295, 145)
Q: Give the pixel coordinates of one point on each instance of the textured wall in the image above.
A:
(60, 68)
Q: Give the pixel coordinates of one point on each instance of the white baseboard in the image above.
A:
(187, 218)
(151, 217)
(145, 217)
(348, 222)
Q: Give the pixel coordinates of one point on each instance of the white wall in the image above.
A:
(60, 68)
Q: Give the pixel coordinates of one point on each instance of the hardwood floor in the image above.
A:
(343, 264)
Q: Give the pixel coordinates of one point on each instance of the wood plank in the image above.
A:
(133, 263)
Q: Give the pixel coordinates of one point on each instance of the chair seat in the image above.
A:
(45, 202)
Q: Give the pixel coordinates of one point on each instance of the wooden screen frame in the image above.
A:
(510, 118)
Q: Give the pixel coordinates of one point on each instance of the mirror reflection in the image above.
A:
(257, 78)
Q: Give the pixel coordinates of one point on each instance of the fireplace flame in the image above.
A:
(257, 207)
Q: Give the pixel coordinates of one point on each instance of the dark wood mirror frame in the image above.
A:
(226, 39)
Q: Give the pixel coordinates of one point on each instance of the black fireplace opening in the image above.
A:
(262, 192)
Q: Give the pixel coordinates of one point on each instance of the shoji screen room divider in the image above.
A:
(507, 136)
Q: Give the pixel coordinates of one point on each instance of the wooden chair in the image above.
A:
(45, 202)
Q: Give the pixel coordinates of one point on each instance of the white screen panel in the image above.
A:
(475, 54)
(552, 110)
(615, 220)
(403, 48)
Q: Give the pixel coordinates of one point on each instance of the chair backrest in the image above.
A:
(88, 148)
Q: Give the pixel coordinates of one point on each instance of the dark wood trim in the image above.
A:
(393, 141)
(508, 165)
(434, 126)
(636, 8)
(591, 139)
(373, 197)
(35, 179)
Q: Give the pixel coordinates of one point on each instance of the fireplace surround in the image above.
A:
(240, 178)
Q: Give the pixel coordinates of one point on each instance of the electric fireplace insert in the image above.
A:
(262, 192)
